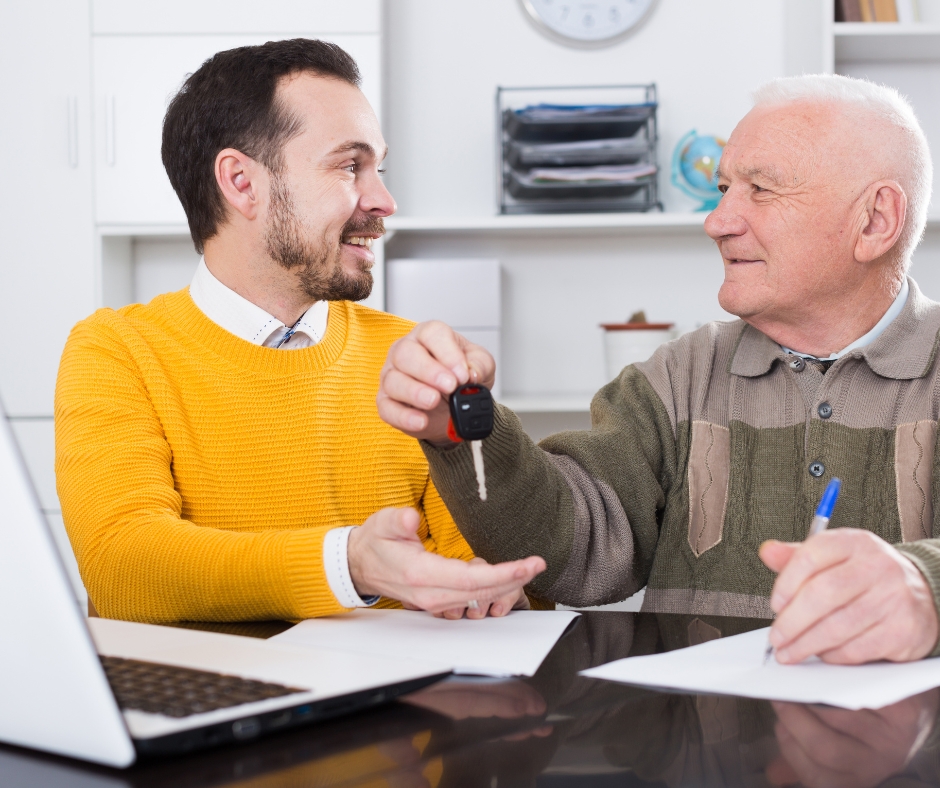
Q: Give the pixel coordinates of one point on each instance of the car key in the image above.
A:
(471, 419)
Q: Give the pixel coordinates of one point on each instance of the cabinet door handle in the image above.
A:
(109, 137)
(72, 114)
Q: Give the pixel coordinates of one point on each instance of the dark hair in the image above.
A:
(231, 102)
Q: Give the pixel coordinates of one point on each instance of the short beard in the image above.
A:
(319, 268)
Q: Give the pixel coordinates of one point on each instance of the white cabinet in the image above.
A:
(185, 17)
(47, 280)
(135, 78)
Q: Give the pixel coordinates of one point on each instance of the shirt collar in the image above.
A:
(877, 330)
(903, 347)
(248, 321)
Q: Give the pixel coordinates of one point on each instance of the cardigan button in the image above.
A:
(816, 469)
(824, 410)
(797, 364)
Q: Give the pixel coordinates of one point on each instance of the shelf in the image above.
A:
(548, 223)
(875, 41)
(143, 230)
(563, 223)
(548, 403)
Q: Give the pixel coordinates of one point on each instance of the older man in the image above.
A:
(218, 453)
(704, 464)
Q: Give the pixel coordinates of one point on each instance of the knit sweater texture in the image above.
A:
(717, 443)
(199, 473)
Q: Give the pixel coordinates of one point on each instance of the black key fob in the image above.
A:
(471, 411)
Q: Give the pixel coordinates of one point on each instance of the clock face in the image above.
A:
(586, 23)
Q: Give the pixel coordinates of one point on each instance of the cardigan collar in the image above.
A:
(904, 351)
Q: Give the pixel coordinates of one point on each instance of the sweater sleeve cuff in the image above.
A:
(336, 566)
(925, 555)
(311, 595)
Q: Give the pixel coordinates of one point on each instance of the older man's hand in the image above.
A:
(386, 558)
(848, 597)
(422, 369)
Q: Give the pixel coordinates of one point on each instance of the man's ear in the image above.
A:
(885, 209)
(242, 181)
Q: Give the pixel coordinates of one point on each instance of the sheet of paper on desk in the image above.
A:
(513, 645)
(735, 666)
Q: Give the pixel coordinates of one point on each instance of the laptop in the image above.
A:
(111, 691)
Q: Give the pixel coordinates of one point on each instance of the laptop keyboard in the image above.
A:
(180, 692)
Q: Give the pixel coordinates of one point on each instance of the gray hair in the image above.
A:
(891, 107)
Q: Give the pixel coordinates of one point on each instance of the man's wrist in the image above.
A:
(444, 444)
(337, 552)
(923, 564)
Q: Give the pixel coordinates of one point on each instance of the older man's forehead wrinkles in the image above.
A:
(763, 172)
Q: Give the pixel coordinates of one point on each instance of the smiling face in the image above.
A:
(786, 224)
(326, 205)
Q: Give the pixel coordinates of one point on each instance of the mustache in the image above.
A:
(366, 225)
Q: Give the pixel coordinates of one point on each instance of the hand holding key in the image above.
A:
(420, 373)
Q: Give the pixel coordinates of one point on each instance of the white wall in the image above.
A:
(444, 60)
(443, 64)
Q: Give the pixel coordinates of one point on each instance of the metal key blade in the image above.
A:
(476, 447)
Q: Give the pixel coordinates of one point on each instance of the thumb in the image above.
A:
(403, 523)
(776, 555)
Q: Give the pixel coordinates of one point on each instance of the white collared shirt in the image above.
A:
(237, 315)
(248, 321)
(886, 320)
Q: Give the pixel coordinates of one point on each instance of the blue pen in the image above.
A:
(820, 522)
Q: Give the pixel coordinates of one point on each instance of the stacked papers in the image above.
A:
(626, 173)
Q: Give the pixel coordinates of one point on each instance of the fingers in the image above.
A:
(409, 420)
(431, 355)
(811, 557)
(442, 584)
(849, 597)
(392, 523)
(775, 555)
(421, 371)
(823, 616)
(481, 363)
(471, 579)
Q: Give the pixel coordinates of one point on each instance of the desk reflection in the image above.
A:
(559, 730)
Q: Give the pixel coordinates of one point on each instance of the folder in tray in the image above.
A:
(553, 123)
(619, 150)
(523, 186)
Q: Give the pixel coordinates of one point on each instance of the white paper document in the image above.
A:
(513, 645)
(735, 666)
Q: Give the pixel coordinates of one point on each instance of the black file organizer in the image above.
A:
(627, 125)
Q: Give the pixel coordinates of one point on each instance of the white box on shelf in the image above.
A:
(465, 294)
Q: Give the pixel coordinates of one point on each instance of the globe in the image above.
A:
(695, 168)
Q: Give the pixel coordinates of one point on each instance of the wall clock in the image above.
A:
(587, 24)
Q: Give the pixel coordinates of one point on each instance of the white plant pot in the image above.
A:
(628, 343)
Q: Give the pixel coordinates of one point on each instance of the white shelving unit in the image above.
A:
(548, 223)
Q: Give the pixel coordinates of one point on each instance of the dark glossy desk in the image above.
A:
(557, 730)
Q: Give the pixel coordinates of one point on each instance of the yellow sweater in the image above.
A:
(199, 473)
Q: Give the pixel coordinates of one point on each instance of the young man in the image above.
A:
(214, 446)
